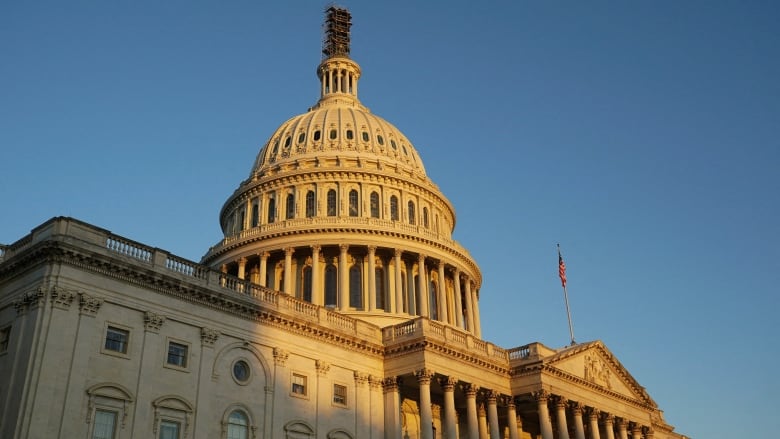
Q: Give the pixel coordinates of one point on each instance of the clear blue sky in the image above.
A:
(642, 136)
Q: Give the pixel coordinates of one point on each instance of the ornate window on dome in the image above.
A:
(255, 213)
(379, 279)
(392, 144)
(332, 202)
(353, 203)
(301, 137)
(380, 139)
(356, 285)
(365, 136)
(411, 213)
(331, 285)
(306, 282)
(425, 217)
(350, 135)
(311, 204)
(275, 150)
(287, 142)
(394, 208)
(374, 205)
(290, 206)
(271, 210)
(317, 135)
(333, 134)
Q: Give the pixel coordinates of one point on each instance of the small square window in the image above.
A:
(177, 354)
(117, 339)
(5, 337)
(339, 394)
(299, 384)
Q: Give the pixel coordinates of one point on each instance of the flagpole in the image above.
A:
(562, 274)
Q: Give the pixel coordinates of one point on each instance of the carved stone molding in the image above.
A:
(208, 336)
(89, 305)
(62, 298)
(322, 367)
(597, 371)
(593, 413)
(608, 419)
(153, 321)
(448, 383)
(390, 384)
(424, 376)
(492, 396)
(576, 408)
(541, 395)
(280, 357)
(361, 379)
(621, 423)
(561, 402)
(374, 382)
(471, 390)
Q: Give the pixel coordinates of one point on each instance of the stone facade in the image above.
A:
(336, 305)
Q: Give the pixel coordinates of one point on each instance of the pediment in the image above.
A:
(593, 364)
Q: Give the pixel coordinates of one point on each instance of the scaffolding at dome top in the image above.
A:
(338, 20)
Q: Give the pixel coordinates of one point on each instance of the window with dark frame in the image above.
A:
(177, 354)
(298, 384)
(339, 394)
(117, 339)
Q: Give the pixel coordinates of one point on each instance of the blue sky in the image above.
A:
(642, 136)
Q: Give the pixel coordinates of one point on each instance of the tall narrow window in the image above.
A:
(353, 203)
(306, 283)
(237, 425)
(394, 208)
(356, 286)
(311, 204)
(425, 217)
(241, 219)
(290, 206)
(5, 336)
(379, 278)
(374, 205)
(331, 285)
(332, 202)
(411, 213)
(271, 210)
(255, 214)
(105, 424)
(433, 301)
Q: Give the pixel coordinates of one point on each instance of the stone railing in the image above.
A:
(436, 331)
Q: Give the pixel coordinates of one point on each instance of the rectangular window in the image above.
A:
(177, 354)
(116, 339)
(105, 424)
(299, 384)
(339, 394)
(169, 430)
(5, 337)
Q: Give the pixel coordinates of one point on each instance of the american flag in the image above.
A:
(561, 268)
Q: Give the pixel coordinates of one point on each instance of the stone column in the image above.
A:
(593, 416)
(343, 278)
(450, 417)
(443, 302)
(579, 429)
(477, 322)
(363, 405)
(411, 290)
(649, 432)
(636, 431)
(622, 426)
(399, 289)
(263, 281)
(458, 303)
(288, 274)
(511, 419)
(545, 426)
(422, 286)
(560, 417)
(426, 413)
(317, 296)
(471, 409)
(242, 268)
(492, 411)
(469, 307)
(483, 428)
(609, 422)
(392, 408)
(371, 278)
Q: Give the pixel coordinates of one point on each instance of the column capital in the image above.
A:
(242, 260)
(541, 395)
(471, 390)
(576, 407)
(636, 429)
(561, 402)
(421, 256)
(264, 254)
(343, 247)
(289, 251)
(621, 423)
(608, 418)
(315, 248)
(424, 376)
(593, 413)
(398, 252)
(322, 367)
(492, 396)
(371, 249)
(448, 383)
(649, 432)
(280, 356)
(391, 384)
(361, 378)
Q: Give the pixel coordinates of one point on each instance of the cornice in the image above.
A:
(425, 344)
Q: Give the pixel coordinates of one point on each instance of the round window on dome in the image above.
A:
(365, 136)
(317, 135)
(241, 371)
(380, 139)
(350, 135)
(333, 134)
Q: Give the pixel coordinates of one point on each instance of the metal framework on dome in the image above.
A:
(338, 20)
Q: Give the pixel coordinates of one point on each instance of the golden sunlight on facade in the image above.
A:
(337, 305)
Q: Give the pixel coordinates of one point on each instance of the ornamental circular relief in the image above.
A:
(241, 372)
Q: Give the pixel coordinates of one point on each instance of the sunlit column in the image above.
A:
(483, 428)
(392, 408)
(511, 419)
(343, 278)
(450, 417)
(469, 306)
(399, 289)
(426, 414)
(544, 414)
(609, 425)
(622, 425)
(471, 411)
(242, 268)
(371, 278)
(492, 411)
(316, 288)
(288, 274)
(442, 291)
(263, 268)
(458, 303)
(363, 407)
(411, 290)
(477, 322)
(579, 428)
(593, 417)
(422, 286)
(560, 417)
(649, 433)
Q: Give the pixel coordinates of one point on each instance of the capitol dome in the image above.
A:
(338, 211)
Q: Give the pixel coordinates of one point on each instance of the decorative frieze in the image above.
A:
(153, 321)
(89, 305)
(208, 336)
(597, 371)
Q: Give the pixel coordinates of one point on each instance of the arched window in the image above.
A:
(306, 282)
(356, 286)
(433, 301)
(237, 425)
(353, 203)
(425, 217)
(271, 210)
(379, 278)
(394, 208)
(374, 205)
(331, 285)
(290, 206)
(310, 204)
(332, 202)
(255, 214)
(411, 213)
